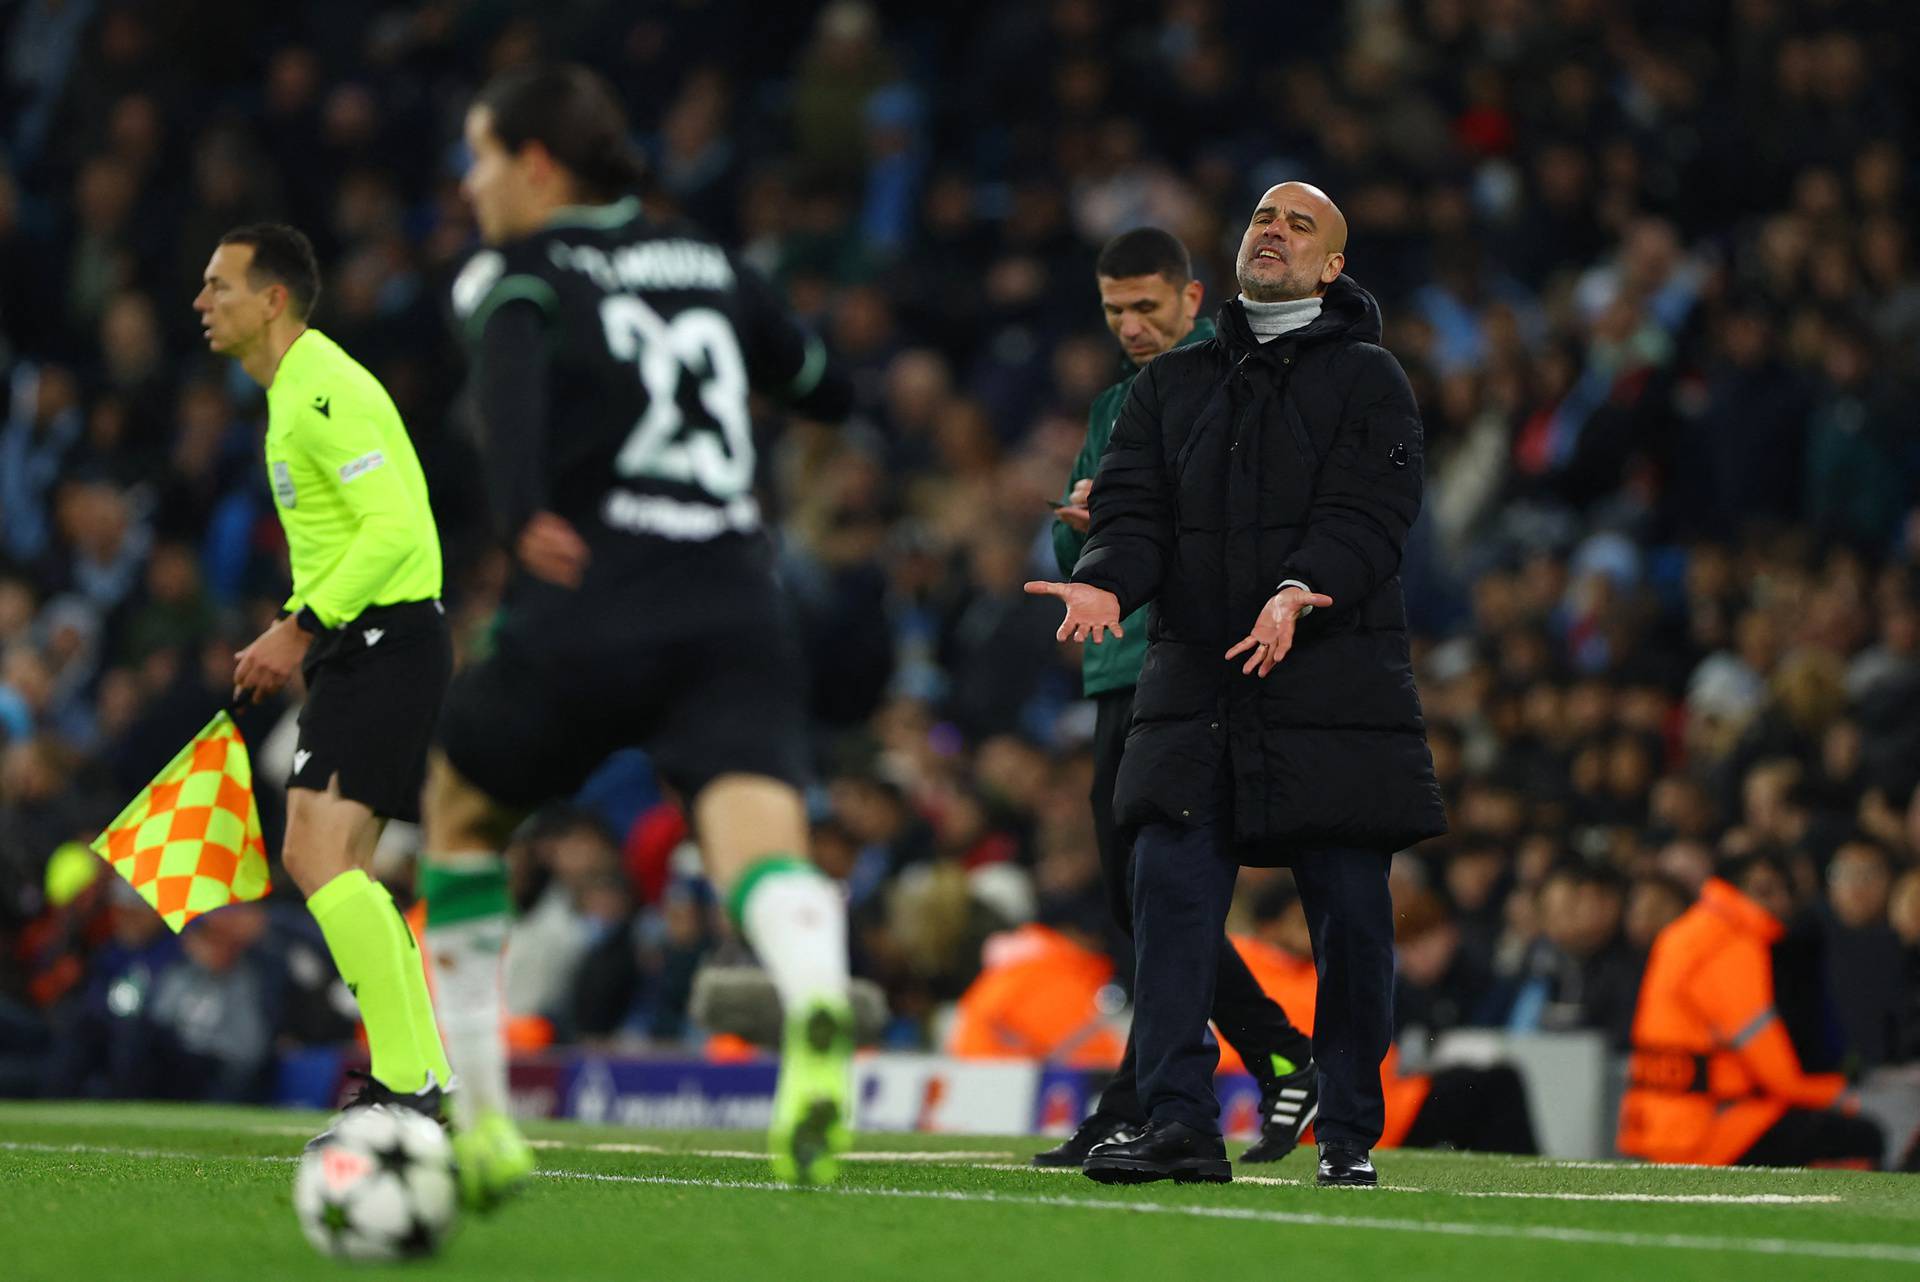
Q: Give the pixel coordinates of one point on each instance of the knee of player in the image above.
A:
(457, 816)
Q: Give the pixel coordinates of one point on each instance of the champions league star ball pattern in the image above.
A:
(378, 1186)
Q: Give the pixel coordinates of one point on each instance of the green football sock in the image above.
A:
(375, 953)
(468, 917)
(796, 920)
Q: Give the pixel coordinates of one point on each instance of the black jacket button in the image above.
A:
(1398, 454)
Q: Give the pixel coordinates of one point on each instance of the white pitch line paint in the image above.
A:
(24, 1146)
(1562, 1164)
(1705, 1199)
(931, 1155)
(1525, 1232)
(84, 1115)
(755, 1155)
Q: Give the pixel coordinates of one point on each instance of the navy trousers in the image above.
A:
(1183, 880)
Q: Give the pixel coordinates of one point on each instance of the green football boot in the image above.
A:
(493, 1160)
(813, 1105)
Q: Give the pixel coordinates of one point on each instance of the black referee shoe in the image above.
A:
(429, 1101)
(1097, 1129)
(1162, 1151)
(1342, 1166)
(1287, 1109)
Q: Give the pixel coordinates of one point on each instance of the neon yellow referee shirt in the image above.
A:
(348, 487)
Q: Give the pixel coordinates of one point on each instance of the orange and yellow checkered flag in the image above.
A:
(191, 842)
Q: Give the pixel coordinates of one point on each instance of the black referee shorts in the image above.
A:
(706, 692)
(374, 689)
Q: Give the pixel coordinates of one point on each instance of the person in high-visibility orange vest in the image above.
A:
(1714, 1079)
(1483, 1109)
(1037, 998)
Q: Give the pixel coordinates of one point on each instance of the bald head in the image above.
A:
(1315, 204)
(1295, 246)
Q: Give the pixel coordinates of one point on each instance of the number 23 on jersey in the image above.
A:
(718, 455)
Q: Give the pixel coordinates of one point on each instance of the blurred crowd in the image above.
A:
(1649, 266)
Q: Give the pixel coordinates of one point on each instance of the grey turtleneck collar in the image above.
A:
(1269, 321)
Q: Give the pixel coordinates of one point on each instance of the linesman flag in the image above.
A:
(191, 842)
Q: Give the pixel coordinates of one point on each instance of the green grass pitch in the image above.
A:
(151, 1193)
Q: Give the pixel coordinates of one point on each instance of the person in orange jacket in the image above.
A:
(1037, 998)
(1484, 1109)
(1714, 1079)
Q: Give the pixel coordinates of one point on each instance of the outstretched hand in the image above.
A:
(1074, 513)
(1091, 612)
(551, 549)
(1272, 634)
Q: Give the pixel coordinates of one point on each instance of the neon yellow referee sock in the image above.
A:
(375, 953)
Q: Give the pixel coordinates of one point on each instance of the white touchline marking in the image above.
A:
(1587, 1237)
(1704, 1199)
(90, 1115)
(24, 1146)
(1020, 1166)
(1727, 1199)
(875, 1155)
(1563, 1164)
(1539, 1233)
(931, 1155)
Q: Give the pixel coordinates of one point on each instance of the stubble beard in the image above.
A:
(1283, 290)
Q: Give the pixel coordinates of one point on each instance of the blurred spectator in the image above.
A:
(1654, 902)
(1741, 459)
(563, 869)
(1583, 973)
(43, 426)
(1865, 965)
(1437, 985)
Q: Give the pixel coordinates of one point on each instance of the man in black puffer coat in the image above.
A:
(1257, 491)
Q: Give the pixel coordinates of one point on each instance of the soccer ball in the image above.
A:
(378, 1186)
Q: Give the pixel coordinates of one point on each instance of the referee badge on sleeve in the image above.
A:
(361, 466)
(283, 485)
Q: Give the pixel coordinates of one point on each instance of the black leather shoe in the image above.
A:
(1097, 1129)
(1161, 1151)
(1287, 1109)
(1345, 1167)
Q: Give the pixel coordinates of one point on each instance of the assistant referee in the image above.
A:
(364, 623)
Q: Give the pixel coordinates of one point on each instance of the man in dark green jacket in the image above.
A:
(1152, 305)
